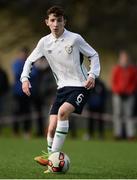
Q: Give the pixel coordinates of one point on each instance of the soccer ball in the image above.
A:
(59, 162)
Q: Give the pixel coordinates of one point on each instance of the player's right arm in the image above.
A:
(36, 54)
(26, 87)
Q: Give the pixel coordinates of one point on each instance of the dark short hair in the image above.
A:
(56, 10)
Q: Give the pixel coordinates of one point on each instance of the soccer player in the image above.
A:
(64, 52)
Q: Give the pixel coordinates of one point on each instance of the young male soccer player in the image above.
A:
(64, 52)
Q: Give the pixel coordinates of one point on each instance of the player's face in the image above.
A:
(56, 24)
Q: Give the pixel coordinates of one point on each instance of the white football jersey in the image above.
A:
(65, 57)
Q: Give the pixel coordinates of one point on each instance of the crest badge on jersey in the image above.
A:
(69, 49)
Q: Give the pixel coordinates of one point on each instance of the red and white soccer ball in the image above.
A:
(59, 162)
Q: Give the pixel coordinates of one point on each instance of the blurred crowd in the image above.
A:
(29, 115)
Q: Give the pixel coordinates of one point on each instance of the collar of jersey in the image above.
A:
(61, 38)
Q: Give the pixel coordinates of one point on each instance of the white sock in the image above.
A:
(60, 135)
(49, 142)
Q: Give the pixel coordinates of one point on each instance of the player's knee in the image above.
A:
(62, 114)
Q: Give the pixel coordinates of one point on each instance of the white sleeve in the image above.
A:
(36, 54)
(92, 55)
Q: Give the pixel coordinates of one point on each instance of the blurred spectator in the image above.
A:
(96, 108)
(47, 85)
(44, 90)
(4, 87)
(41, 94)
(124, 81)
(22, 111)
(37, 99)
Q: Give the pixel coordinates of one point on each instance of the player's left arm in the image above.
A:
(93, 56)
(90, 82)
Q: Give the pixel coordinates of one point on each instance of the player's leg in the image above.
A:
(74, 102)
(51, 131)
(43, 159)
(62, 126)
(64, 112)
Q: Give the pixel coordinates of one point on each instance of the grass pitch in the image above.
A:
(89, 159)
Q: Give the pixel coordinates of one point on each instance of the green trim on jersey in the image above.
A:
(55, 76)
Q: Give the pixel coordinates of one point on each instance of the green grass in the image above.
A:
(89, 159)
